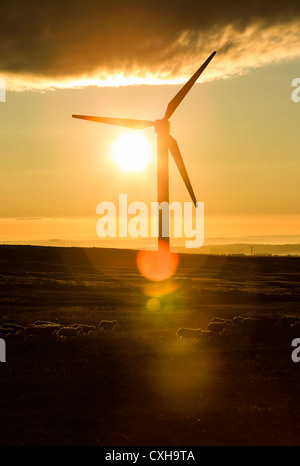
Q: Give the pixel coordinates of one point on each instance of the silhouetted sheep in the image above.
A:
(238, 320)
(4, 332)
(83, 328)
(45, 322)
(14, 327)
(220, 319)
(87, 328)
(69, 332)
(107, 325)
(40, 330)
(288, 320)
(197, 333)
(217, 326)
(252, 322)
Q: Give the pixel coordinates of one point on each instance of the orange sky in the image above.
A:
(239, 138)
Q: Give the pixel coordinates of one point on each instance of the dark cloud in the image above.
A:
(70, 38)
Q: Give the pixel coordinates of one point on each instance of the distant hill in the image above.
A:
(216, 247)
(248, 249)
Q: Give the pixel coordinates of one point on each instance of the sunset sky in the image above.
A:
(237, 129)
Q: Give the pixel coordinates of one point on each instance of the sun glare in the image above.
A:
(131, 152)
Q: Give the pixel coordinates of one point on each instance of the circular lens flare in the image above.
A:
(153, 304)
(157, 265)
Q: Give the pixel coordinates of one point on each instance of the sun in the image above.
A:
(131, 152)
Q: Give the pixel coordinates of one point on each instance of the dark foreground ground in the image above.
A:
(139, 385)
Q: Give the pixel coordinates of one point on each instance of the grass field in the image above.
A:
(138, 385)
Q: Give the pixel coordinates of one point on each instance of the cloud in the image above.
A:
(54, 44)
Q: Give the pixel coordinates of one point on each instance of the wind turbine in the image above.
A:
(165, 142)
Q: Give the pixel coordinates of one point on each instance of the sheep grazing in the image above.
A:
(87, 328)
(54, 327)
(107, 325)
(194, 333)
(45, 322)
(288, 320)
(14, 327)
(238, 320)
(220, 319)
(40, 330)
(4, 332)
(217, 327)
(68, 332)
(251, 322)
(83, 328)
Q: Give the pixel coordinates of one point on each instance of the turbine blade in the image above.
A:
(173, 104)
(126, 122)
(174, 149)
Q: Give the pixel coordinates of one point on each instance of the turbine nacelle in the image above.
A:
(162, 126)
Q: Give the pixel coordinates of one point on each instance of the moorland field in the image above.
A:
(139, 385)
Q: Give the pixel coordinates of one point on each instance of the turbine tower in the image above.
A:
(165, 142)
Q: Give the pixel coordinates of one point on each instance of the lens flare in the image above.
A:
(153, 304)
(157, 265)
(160, 289)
